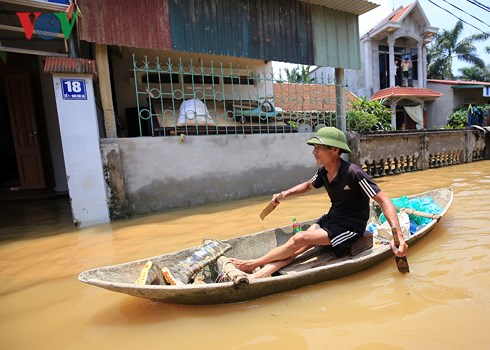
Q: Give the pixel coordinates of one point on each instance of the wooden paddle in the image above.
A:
(270, 207)
(401, 262)
(267, 210)
(423, 214)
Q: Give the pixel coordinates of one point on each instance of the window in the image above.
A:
(385, 67)
(242, 80)
(200, 79)
(415, 65)
(155, 78)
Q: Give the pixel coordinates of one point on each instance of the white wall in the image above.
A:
(442, 107)
(354, 78)
(81, 150)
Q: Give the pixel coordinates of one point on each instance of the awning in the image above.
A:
(468, 86)
(397, 91)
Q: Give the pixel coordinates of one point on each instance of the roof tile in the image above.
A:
(399, 14)
(70, 65)
(458, 82)
(297, 97)
(398, 91)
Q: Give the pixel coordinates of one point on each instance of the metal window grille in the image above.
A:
(175, 99)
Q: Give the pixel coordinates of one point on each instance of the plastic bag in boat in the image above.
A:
(383, 231)
(423, 204)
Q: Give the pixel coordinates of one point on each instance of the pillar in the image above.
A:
(391, 49)
(368, 67)
(420, 65)
(79, 130)
(393, 113)
(424, 65)
(339, 100)
(105, 90)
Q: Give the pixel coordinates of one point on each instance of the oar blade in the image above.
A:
(267, 210)
(402, 264)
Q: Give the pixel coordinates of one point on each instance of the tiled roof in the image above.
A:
(457, 82)
(296, 97)
(70, 65)
(405, 92)
(399, 14)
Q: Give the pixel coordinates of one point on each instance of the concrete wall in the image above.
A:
(383, 154)
(149, 174)
(354, 79)
(161, 173)
(442, 106)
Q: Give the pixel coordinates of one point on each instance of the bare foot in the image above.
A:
(243, 265)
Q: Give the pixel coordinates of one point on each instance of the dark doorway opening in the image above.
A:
(9, 175)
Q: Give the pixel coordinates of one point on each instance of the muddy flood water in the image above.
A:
(444, 303)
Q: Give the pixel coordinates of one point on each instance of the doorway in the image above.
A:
(24, 149)
(9, 175)
(403, 120)
(385, 68)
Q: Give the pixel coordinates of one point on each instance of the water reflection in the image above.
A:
(443, 303)
(34, 218)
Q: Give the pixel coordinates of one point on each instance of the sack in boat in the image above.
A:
(182, 272)
(150, 274)
(384, 231)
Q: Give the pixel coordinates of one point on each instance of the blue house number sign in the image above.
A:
(74, 89)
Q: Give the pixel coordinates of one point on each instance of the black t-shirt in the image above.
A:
(349, 192)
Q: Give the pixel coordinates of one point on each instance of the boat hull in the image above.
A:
(120, 278)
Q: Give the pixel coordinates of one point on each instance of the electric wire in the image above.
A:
(469, 14)
(480, 5)
(452, 14)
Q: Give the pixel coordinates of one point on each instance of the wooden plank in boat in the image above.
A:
(314, 257)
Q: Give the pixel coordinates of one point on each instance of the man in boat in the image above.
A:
(350, 189)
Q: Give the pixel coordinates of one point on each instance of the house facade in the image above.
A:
(457, 93)
(191, 53)
(116, 61)
(401, 37)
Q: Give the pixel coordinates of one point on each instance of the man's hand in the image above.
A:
(401, 250)
(277, 198)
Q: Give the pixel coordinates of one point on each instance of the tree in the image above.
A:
(299, 75)
(475, 73)
(446, 47)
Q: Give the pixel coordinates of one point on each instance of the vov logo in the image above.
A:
(47, 25)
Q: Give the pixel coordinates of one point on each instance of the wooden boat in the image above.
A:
(321, 267)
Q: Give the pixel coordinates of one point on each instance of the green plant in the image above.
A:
(369, 116)
(459, 118)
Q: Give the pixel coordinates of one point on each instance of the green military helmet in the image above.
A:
(330, 136)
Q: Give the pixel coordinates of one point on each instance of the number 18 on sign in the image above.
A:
(74, 89)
